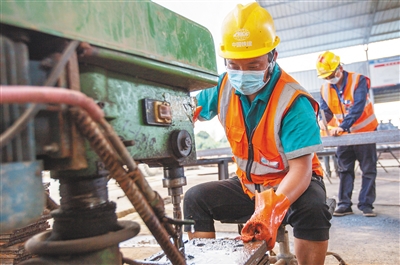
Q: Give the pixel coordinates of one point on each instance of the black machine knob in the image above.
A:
(181, 143)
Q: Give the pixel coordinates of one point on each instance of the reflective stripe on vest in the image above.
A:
(285, 92)
(367, 120)
(266, 167)
(363, 124)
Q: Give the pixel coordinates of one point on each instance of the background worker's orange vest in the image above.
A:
(267, 163)
(367, 121)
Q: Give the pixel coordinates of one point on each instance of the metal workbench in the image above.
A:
(387, 141)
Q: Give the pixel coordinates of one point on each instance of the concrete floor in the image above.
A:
(357, 239)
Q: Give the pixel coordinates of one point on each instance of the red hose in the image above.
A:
(40, 94)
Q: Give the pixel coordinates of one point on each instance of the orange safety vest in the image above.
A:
(267, 163)
(367, 121)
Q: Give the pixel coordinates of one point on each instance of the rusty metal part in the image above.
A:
(152, 197)
(106, 256)
(22, 121)
(73, 73)
(124, 154)
(14, 254)
(73, 142)
(83, 194)
(22, 234)
(341, 261)
(39, 244)
(14, 70)
(107, 154)
(84, 210)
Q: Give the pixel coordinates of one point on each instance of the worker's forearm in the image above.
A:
(297, 179)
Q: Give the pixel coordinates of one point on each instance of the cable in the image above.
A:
(25, 94)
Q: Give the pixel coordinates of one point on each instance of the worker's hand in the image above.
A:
(322, 125)
(336, 131)
(197, 113)
(270, 209)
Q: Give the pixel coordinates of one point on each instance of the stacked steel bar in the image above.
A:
(12, 249)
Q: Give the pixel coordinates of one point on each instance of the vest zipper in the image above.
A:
(250, 157)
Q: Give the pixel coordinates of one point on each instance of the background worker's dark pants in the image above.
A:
(328, 167)
(367, 158)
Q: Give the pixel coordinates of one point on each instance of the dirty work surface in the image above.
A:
(220, 251)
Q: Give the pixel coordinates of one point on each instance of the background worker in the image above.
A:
(345, 102)
(271, 124)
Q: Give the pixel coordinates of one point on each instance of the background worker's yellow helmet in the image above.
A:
(327, 63)
(247, 32)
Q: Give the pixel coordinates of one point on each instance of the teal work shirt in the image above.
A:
(300, 134)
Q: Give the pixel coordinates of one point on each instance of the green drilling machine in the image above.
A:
(89, 90)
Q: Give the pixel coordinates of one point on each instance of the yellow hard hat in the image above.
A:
(327, 63)
(247, 32)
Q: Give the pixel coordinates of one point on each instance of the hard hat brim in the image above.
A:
(243, 55)
(248, 54)
(325, 74)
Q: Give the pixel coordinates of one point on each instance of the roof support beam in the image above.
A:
(282, 53)
(313, 13)
(371, 21)
(339, 20)
(346, 40)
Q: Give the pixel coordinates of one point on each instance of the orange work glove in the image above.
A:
(197, 113)
(270, 209)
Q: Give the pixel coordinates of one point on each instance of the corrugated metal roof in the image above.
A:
(317, 25)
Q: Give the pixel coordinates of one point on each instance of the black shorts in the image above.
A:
(225, 200)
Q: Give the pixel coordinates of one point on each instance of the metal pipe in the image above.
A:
(39, 94)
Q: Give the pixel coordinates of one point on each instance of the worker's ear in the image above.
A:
(275, 55)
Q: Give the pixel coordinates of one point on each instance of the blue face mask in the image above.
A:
(249, 82)
(246, 82)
